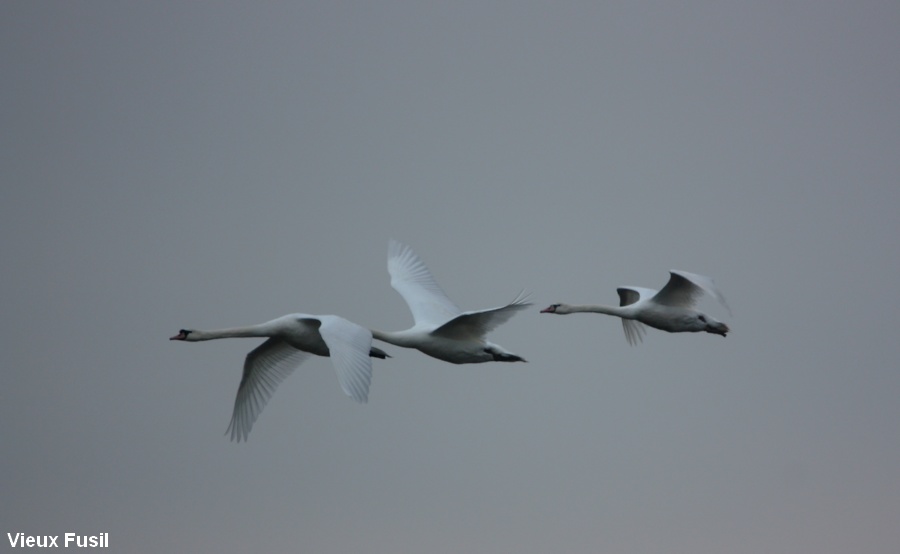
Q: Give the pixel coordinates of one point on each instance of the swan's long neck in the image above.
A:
(262, 330)
(592, 308)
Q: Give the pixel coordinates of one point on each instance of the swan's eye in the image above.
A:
(701, 318)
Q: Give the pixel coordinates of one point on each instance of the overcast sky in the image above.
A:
(174, 164)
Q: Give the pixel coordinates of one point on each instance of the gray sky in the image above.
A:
(167, 165)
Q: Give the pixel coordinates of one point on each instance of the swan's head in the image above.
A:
(710, 325)
(184, 334)
(556, 309)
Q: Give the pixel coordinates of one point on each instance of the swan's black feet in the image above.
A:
(504, 357)
(378, 353)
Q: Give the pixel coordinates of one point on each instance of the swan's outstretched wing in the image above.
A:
(410, 277)
(265, 367)
(684, 289)
(476, 324)
(349, 345)
(634, 330)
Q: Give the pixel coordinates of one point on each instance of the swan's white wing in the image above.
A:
(476, 324)
(348, 345)
(410, 277)
(684, 289)
(634, 331)
(630, 295)
(265, 367)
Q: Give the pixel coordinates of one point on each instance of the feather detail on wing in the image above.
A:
(428, 303)
(265, 367)
(634, 331)
(477, 324)
(685, 289)
(349, 345)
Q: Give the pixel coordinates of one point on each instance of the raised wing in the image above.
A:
(684, 289)
(349, 345)
(476, 324)
(630, 295)
(265, 367)
(634, 330)
(428, 303)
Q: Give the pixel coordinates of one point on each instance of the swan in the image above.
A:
(442, 330)
(291, 339)
(670, 309)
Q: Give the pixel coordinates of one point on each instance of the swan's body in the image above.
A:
(442, 330)
(291, 339)
(670, 309)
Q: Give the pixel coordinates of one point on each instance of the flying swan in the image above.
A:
(670, 309)
(442, 330)
(291, 339)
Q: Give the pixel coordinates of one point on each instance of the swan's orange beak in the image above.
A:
(182, 335)
(718, 329)
(548, 310)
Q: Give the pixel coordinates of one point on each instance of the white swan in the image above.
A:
(292, 338)
(442, 330)
(670, 309)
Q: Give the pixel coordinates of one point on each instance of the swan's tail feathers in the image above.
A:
(634, 331)
(378, 353)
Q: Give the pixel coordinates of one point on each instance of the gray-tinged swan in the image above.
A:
(670, 309)
(441, 329)
(291, 339)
